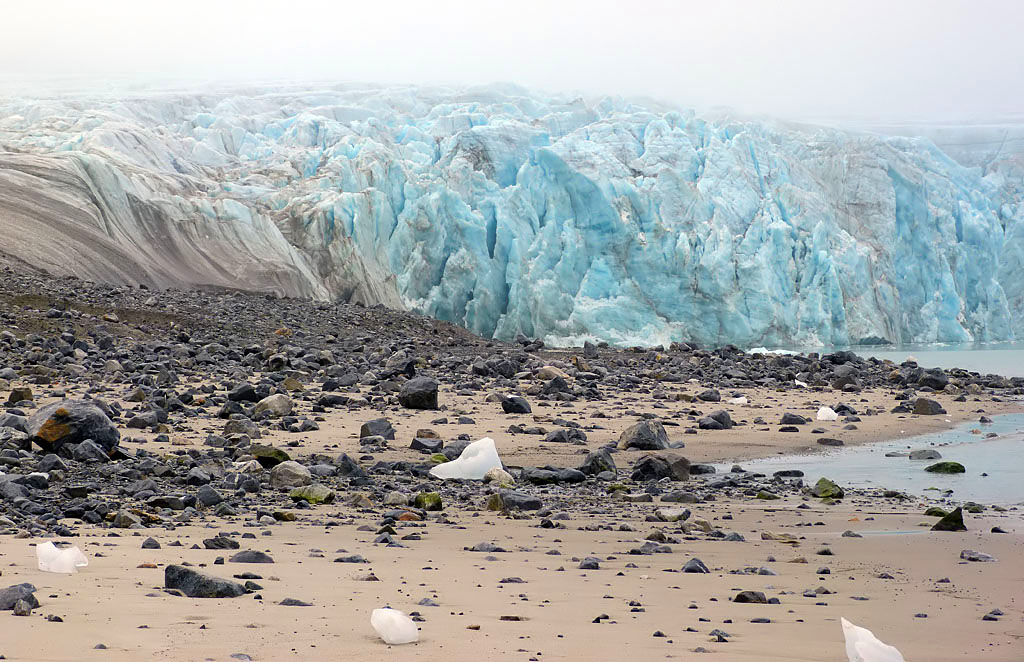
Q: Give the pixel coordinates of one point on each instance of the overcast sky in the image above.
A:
(892, 59)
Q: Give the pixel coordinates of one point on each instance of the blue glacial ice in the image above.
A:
(510, 212)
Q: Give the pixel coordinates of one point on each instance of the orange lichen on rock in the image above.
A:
(52, 431)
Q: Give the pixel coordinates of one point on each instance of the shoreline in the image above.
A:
(818, 449)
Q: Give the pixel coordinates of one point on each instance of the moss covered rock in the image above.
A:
(946, 468)
(268, 456)
(428, 501)
(314, 494)
(495, 502)
(826, 489)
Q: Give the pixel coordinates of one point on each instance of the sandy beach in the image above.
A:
(119, 604)
(869, 556)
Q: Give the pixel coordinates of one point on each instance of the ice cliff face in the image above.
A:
(508, 212)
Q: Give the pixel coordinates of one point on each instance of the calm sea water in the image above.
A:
(1005, 359)
(1001, 458)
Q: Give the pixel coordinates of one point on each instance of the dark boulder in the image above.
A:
(935, 378)
(953, 521)
(71, 422)
(928, 407)
(716, 420)
(647, 435)
(789, 418)
(419, 393)
(597, 461)
(513, 404)
(197, 585)
(378, 427)
(12, 594)
(268, 456)
(661, 465)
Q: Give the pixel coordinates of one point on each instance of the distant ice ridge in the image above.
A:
(509, 212)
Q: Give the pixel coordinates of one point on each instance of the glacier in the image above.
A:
(512, 212)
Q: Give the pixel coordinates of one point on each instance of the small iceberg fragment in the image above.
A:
(473, 464)
(777, 352)
(394, 627)
(54, 559)
(863, 646)
(827, 414)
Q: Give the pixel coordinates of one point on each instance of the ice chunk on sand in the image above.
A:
(54, 559)
(475, 461)
(394, 627)
(827, 414)
(863, 646)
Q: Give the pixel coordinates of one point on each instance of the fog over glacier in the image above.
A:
(552, 209)
(802, 59)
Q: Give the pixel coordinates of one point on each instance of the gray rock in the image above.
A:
(348, 467)
(927, 407)
(426, 445)
(934, 378)
(71, 422)
(144, 420)
(647, 435)
(294, 602)
(89, 452)
(519, 501)
(197, 585)
(419, 393)
(597, 461)
(251, 556)
(290, 474)
(19, 423)
(952, 521)
(12, 594)
(243, 393)
(661, 465)
(718, 420)
(378, 427)
(197, 476)
(710, 395)
(278, 405)
(538, 476)
(220, 542)
(789, 418)
(208, 496)
(515, 404)
(242, 425)
(126, 520)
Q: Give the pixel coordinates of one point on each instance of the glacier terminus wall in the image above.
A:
(510, 212)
